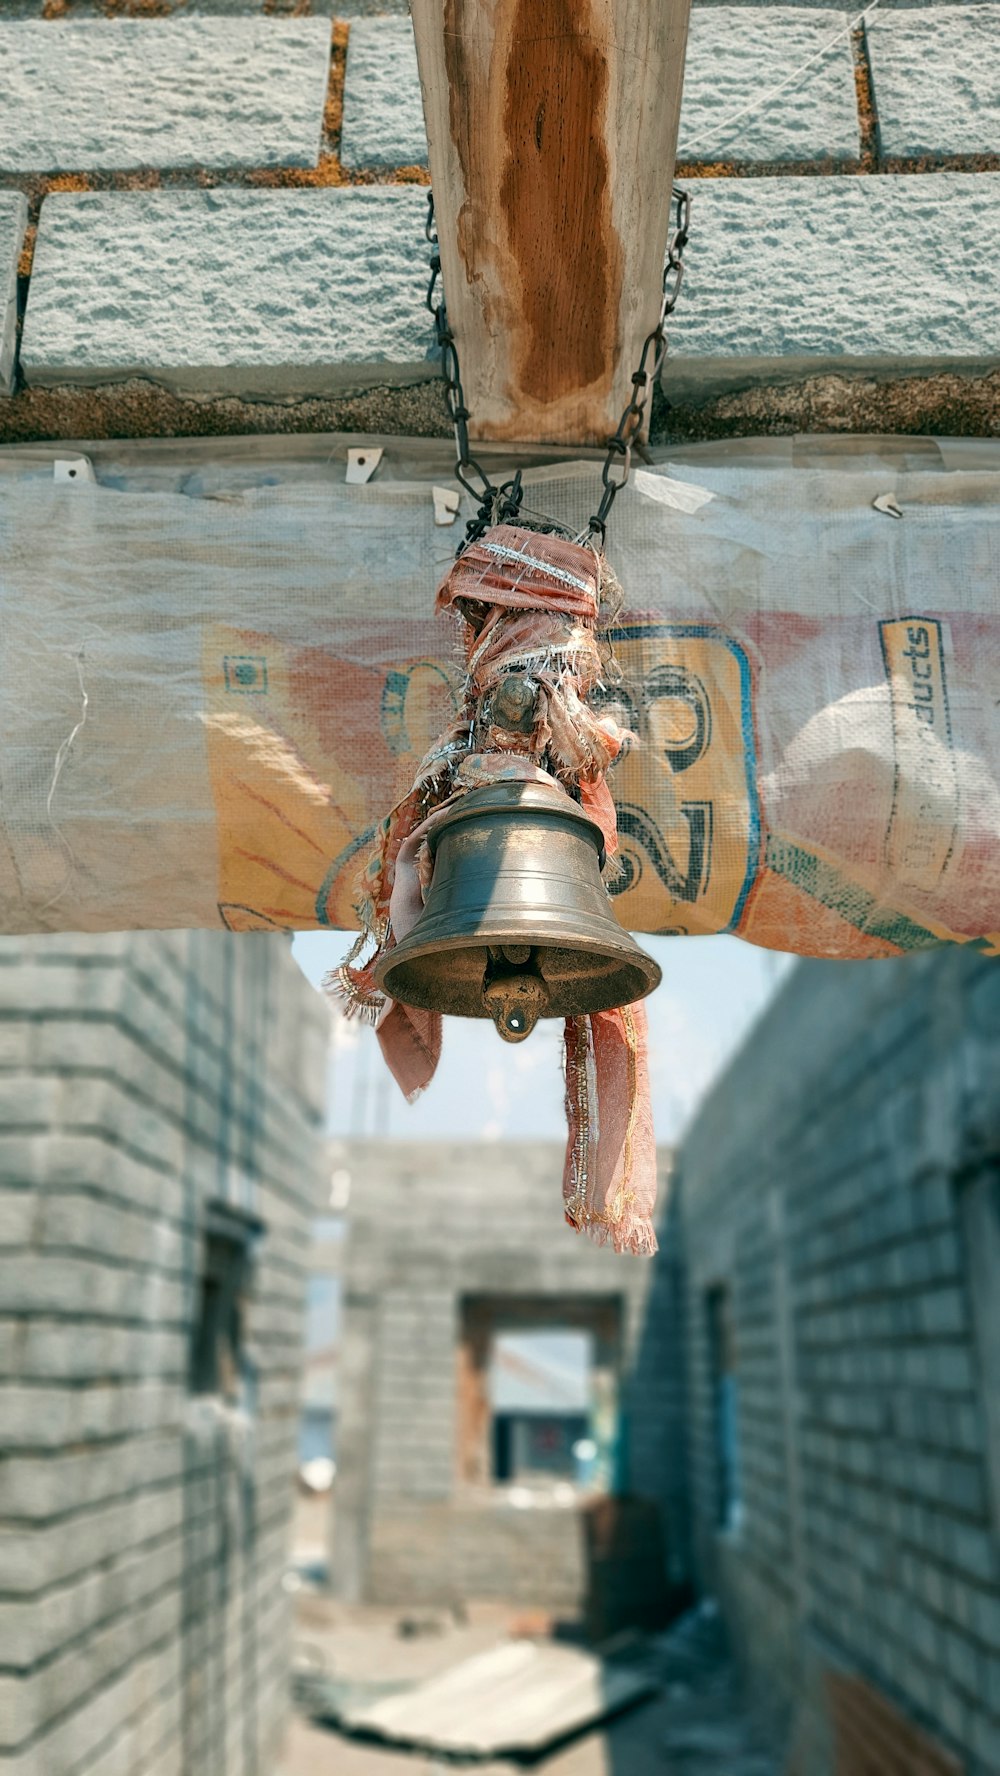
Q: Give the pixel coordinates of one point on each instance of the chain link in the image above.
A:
(469, 473)
(500, 504)
(618, 462)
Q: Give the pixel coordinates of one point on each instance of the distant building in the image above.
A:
(318, 1428)
(161, 1100)
(839, 1197)
(541, 1397)
(807, 1378)
(488, 1381)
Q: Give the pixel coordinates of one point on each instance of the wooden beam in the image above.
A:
(552, 127)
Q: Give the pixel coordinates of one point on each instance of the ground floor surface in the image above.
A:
(697, 1725)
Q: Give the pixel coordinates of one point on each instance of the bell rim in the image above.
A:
(595, 964)
(629, 955)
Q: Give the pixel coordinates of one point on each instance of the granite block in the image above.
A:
(255, 293)
(116, 94)
(936, 77)
(785, 275)
(13, 221)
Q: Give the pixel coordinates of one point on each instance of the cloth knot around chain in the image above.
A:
(530, 605)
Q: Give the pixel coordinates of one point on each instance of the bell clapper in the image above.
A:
(514, 990)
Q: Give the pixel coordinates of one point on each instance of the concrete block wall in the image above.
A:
(460, 1549)
(429, 1225)
(143, 1530)
(158, 163)
(843, 1181)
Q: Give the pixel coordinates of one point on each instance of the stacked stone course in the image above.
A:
(430, 1227)
(827, 1183)
(143, 1531)
(842, 268)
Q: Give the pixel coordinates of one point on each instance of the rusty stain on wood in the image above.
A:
(460, 118)
(558, 256)
(567, 255)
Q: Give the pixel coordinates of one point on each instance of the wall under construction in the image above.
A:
(447, 1240)
(160, 1157)
(840, 1199)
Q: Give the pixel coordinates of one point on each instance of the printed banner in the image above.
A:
(217, 686)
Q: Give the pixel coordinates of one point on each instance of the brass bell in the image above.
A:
(517, 924)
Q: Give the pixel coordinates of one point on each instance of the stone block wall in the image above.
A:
(431, 1226)
(157, 163)
(143, 1528)
(842, 1185)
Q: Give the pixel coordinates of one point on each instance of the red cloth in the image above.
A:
(410, 1041)
(530, 603)
(609, 1181)
(521, 570)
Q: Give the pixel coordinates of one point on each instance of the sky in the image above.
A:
(713, 989)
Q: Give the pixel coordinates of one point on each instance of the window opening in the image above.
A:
(538, 1384)
(725, 1406)
(317, 1425)
(219, 1364)
(540, 1397)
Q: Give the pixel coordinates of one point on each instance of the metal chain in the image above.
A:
(620, 446)
(502, 504)
(467, 470)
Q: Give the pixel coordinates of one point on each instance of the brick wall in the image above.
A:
(142, 1529)
(431, 1225)
(842, 1182)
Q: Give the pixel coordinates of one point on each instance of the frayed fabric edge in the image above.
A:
(353, 1000)
(637, 1237)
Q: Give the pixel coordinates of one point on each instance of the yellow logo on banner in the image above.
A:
(921, 834)
(307, 753)
(687, 695)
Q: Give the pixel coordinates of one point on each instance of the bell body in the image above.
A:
(517, 922)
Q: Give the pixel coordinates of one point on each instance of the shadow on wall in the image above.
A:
(839, 1219)
(638, 1567)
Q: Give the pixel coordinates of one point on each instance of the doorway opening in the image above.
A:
(538, 1395)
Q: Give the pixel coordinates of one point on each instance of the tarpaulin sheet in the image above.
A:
(221, 667)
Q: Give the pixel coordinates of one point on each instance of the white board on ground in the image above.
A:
(516, 1699)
